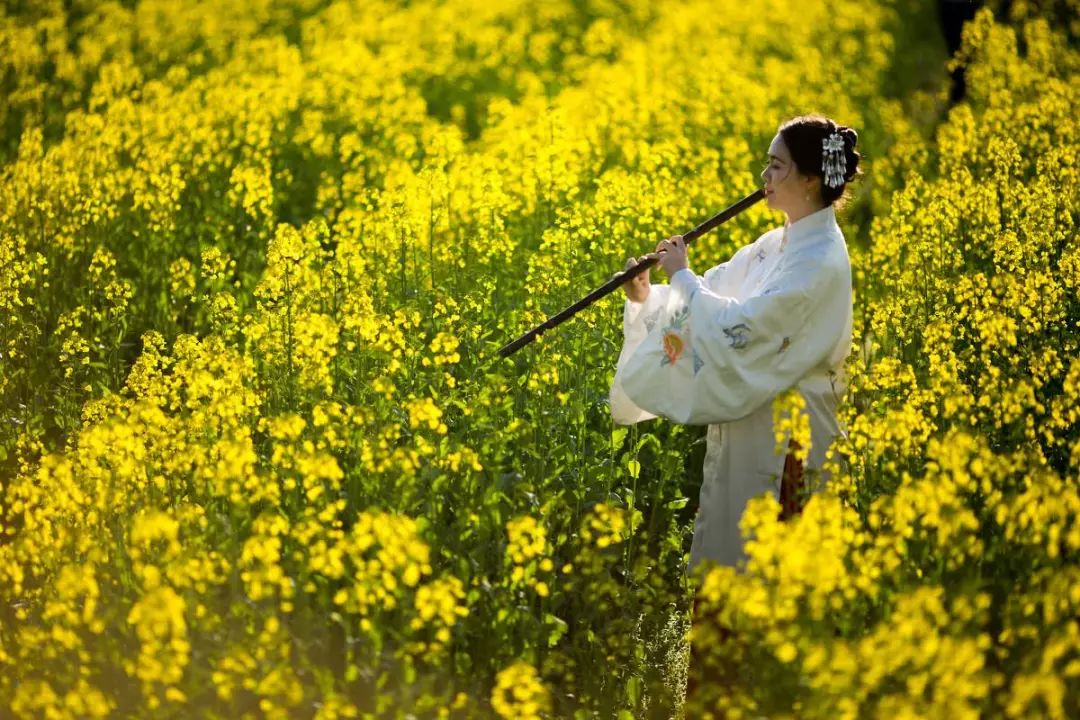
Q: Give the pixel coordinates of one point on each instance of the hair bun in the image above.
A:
(807, 137)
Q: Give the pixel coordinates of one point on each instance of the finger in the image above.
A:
(630, 262)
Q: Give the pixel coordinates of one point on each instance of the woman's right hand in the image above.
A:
(637, 289)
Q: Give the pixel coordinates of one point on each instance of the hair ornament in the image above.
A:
(833, 161)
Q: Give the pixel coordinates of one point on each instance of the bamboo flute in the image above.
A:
(620, 278)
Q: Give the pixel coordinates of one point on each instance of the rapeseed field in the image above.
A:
(259, 456)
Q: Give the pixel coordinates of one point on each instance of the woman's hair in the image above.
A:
(803, 136)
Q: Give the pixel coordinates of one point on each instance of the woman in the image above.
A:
(717, 349)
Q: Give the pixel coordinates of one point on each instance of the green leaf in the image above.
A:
(648, 439)
(617, 437)
(556, 628)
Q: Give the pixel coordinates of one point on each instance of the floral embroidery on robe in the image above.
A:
(675, 340)
(738, 334)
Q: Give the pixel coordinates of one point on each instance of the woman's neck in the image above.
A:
(797, 215)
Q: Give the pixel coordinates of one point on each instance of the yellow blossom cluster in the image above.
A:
(424, 412)
(518, 693)
(606, 526)
(526, 551)
(438, 605)
(791, 424)
(528, 539)
(444, 350)
(387, 557)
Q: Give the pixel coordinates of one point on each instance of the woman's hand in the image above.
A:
(636, 289)
(673, 254)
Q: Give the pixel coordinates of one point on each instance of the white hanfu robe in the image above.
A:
(717, 350)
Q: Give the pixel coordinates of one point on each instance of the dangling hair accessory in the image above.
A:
(833, 162)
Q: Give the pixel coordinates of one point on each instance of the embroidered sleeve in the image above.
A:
(727, 277)
(639, 319)
(718, 358)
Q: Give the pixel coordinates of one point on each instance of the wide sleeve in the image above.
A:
(638, 320)
(727, 277)
(715, 358)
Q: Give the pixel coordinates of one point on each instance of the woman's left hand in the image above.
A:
(673, 258)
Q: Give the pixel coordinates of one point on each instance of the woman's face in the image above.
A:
(785, 187)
